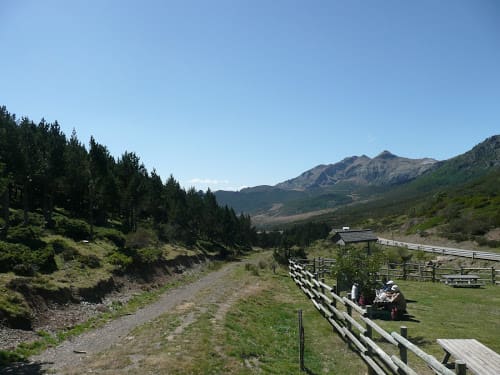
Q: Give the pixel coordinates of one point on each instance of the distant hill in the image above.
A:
(386, 180)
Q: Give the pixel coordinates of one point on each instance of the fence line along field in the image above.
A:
(388, 351)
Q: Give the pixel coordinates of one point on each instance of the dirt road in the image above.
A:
(213, 288)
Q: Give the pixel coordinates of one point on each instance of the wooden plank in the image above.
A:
(354, 323)
(373, 365)
(360, 310)
(337, 297)
(337, 312)
(363, 349)
(479, 358)
(337, 326)
(429, 359)
(380, 330)
(403, 366)
(377, 350)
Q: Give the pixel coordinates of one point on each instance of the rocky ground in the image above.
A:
(53, 317)
(76, 351)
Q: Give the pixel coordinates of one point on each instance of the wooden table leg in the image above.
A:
(445, 358)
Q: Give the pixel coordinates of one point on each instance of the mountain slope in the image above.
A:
(385, 169)
(328, 186)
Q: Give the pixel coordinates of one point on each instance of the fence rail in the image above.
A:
(442, 250)
(434, 272)
(353, 323)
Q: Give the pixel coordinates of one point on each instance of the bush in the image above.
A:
(73, 228)
(28, 236)
(252, 268)
(25, 261)
(282, 255)
(148, 255)
(70, 253)
(140, 239)
(113, 235)
(354, 264)
(120, 260)
(59, 245)
(398, 254)
(90, 260)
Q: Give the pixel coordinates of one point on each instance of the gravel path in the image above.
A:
(75, 351)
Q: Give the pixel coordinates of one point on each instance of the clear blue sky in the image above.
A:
(250, 92)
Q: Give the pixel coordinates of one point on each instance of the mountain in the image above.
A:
(328, 186)
(389, 181)
(385, 169)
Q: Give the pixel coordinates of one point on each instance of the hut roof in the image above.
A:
(343, 237)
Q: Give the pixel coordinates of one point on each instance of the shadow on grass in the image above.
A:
(411, 301)
(386, 315)
(308, 371)
(23, 368)
(420, 341)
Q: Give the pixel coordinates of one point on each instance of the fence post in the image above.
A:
(493, 272)
(349, 311)
(433, 273)
(460, 367)
(403, 352)
(301, 342)
(369, 313)
(368, 333)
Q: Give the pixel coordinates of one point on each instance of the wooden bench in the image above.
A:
(464, 281)
(478, 358)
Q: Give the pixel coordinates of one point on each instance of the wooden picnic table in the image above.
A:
(478, 358)
(466, 281)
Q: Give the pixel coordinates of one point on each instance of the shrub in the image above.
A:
(148, 255)
(72, 228)
(252, 268)
(28, 236)
(398, 254)
(25, 261)
(140, 239)
(120, 260)
(355, 265)
(113, 235)
(70, 253)
(90, 260)
(59, 245)
(282, 255)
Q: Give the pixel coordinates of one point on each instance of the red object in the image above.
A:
(394, 313)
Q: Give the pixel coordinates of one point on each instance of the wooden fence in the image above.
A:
(442, 250)
(354, 325)
(415, 271)
(434, 272)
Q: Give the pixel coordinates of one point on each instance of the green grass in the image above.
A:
(441, 311)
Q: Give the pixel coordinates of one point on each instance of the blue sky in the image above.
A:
(242, 93)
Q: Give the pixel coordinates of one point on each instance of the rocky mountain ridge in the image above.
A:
(384, 169)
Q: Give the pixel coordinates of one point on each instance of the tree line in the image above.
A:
(41, 170)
